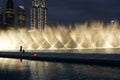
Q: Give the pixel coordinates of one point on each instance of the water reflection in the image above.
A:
(11, 69)
(64, 71)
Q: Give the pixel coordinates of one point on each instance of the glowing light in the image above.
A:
(95, 36)
(35, 54)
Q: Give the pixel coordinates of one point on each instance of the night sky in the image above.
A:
(75, 11)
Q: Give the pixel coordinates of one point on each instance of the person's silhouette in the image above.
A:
(20, 48)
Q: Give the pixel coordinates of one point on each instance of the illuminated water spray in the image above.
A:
(94, 36)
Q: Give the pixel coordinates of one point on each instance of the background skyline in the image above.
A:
(74, 11)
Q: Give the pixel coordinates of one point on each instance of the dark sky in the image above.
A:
(76, 11)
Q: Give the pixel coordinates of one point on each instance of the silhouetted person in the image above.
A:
(20, 51)
(23, 51)
(20, 48)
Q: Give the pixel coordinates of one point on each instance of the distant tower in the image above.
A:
(21, 21)
(44, 14)
(38, 14)
(9, 14)
(1, 18)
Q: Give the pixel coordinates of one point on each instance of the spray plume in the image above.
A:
(95, 36)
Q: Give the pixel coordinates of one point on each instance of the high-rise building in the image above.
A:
(21, 21)
(44, 14)
(1, 18)
(38, 14)
(9, 15)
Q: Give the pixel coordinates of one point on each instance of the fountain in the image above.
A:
(94, 36)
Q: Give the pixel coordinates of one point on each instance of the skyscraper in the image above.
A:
(38, 14)
(21, 22)
(9, 14)
(1, 18)
(44, 14)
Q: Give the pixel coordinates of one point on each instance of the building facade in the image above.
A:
(1, 18)
(21, 21)
(9, 14)
(38, 14)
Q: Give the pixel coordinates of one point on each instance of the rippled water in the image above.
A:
(11, 69)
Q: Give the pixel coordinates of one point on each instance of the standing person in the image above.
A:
(20, 48)
(23, 51)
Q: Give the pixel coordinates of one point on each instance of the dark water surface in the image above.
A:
(11, 69)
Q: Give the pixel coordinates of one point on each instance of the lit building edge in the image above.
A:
(9, 21)
(38, 14)
(21, 20)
